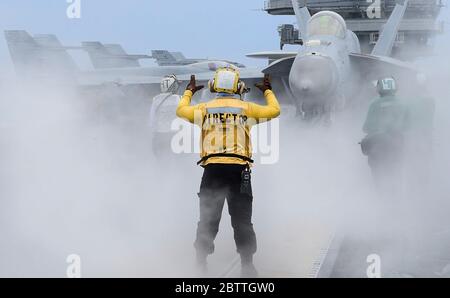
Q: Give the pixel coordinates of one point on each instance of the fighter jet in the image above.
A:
(105, 56)
(39, 56)
(328, 68)
(43, 56)
(166, 58)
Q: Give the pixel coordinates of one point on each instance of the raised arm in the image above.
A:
(185, 110)
(269, 111)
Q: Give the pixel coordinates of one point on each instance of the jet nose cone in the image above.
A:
(305, 85)
(313, 77)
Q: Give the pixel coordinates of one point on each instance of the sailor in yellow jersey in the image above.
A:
(226, 155)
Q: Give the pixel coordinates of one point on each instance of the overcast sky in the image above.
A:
(199, 28)
(225, 29)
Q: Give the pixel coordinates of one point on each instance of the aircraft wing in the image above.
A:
(245, 74)
(152, 84)
(272, 56)
(374, 67)
(281, 67)
(250, 76)
(93, 79)
(387, 38)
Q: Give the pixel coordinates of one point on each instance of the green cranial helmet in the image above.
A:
(387, 86)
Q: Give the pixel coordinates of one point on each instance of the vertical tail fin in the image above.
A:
(55, 51)
(388, 36)
(42, 55)
(164, 58)
(110, 56)
(303, 16)
(25, 53)
(178, 56)
(115, 49)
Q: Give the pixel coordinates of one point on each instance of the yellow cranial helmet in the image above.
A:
(227, 80)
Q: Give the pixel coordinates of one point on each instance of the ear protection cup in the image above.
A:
(241, 87)
(211, 86)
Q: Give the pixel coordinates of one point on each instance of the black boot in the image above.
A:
(248, 270)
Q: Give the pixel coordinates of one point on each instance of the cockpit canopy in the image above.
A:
(327, 23)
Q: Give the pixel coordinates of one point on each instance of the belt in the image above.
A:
(245, 158)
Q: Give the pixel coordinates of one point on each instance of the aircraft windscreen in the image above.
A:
(326, 25)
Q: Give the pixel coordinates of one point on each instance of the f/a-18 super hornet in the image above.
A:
(39, 56)
(43, 56)
(106, 56)
(118, 80)
(166, 58)
(328, 69)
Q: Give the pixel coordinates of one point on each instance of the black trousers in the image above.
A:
(220, 182)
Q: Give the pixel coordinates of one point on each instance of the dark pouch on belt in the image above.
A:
(246, 186)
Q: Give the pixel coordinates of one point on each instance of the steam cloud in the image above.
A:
(78, 179)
